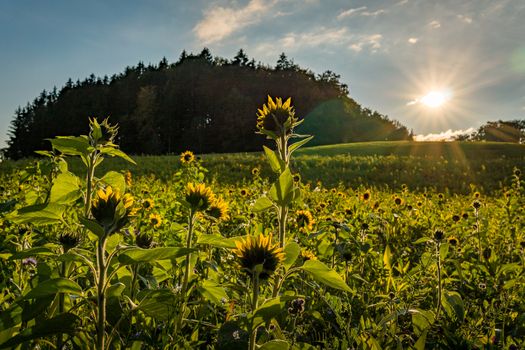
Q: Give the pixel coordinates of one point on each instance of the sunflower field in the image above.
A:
(176, 258)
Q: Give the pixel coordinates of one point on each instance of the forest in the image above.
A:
(201, 102)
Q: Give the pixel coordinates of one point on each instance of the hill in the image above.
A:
(201, 102)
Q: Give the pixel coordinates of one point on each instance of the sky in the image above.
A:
(399, 57)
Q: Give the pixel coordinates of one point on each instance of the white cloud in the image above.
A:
(465, 19)
(372, 14)
(413, 40)
(320, 36)
(402, 2)
(448, 135)
(220, 22)
(351, 12)
(434, 24)
(372, 42)
(315, 38)
(360, 11)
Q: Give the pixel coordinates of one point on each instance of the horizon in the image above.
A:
(439, 69)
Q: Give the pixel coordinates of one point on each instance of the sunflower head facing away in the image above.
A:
(111, 209)
(254, 251)
(276, 118)
(304, 219)
(187, 157)
(199, 197)
(218, 209)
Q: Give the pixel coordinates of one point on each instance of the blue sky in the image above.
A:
(390, 53)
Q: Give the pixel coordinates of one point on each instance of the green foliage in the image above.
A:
(364, 274)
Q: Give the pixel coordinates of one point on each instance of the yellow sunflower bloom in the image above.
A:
(187, 157)
(199, 196)
(112, 210)
(254, 251)
(276, 117)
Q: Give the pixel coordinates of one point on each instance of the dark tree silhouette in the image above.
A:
(201, 102)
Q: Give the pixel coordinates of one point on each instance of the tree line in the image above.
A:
(200, 102)
(498, 131)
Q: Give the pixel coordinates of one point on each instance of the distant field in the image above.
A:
(448, 150)
(454, 166)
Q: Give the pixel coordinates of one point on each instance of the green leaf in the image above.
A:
(213, 292)
(138, 255)
(64, 323)
(66, 189)
(37, 251)
(115, 152)
(421, 341)
(159, 304)
(276, 163)
(262, 204)
(422, 240)
(275, 344)
(387, 258)
(291, 252)
(52, 287)
(92, 226)
(298, 144)
(71, 145)
(115, 180)
(115, 290)
(39, 214)
(217, 241)
(266, 312)
(281, 191)
(322, 273)
(421, 320)
(23, 311)
(453, 305)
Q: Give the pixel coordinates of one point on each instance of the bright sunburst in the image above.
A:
(436, 99)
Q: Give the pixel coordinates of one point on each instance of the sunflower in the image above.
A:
(244, 192)
(365, 196)
(254, 251)
(308, 255)
(255, 171)
(304, 219)
(276, 117)
(453, 240)
(187, 157)
(199, 196)
(128, 178)
(69, 240)
(398, 201)
(112, 210)
(155, 220)
(147, 204)
(218, 209)
(143, 240)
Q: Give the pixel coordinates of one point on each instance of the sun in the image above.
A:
(436, 99)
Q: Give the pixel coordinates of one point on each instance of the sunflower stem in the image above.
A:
(184, 288)
(438, 306)
(255, 298)
(101, 293)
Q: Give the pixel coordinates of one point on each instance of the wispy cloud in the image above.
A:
(448, 135)
(434, 24)
(322, 36)
(220, 22)
(372, 42)
(350, 12)
(465, 19)
(359, 11)
(412, 40)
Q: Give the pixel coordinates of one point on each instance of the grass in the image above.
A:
(444, 166)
